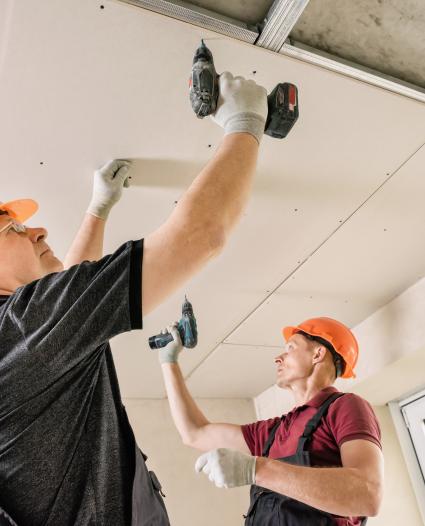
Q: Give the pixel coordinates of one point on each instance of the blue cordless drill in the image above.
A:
(187, 329)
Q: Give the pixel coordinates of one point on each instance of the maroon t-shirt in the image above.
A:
(348, 418)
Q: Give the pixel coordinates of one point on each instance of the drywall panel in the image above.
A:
(365, 264)
(236, 370)
(84, 81)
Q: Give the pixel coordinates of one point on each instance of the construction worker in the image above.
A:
(68, 456)
(280, 457)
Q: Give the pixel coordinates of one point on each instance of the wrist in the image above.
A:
(99, 211)
(259, 470)
(250, 123)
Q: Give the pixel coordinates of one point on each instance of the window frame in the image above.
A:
(407, 446)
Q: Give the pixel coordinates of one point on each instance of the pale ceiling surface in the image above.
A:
(80, 85)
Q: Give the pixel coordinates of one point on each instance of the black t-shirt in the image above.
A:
(67, 451)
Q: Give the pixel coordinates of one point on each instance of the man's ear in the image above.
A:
(319, 354)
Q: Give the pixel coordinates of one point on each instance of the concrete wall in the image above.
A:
(191, 499)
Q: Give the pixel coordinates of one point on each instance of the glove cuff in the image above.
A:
(246, 122)
(167, 358)
(102, 212)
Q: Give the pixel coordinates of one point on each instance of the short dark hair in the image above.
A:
(337, 358)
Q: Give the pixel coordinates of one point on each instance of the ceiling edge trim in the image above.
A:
(353, 70)
(199, 16)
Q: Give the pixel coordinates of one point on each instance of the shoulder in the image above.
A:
(350, 402)
(352, 417)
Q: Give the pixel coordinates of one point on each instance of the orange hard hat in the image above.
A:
(334, 332)
(21, 209)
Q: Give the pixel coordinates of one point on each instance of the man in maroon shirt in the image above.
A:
(280, 457)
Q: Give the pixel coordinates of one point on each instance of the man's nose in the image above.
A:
(37, 234)
(279, 359)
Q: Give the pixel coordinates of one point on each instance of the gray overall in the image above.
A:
(268, 508)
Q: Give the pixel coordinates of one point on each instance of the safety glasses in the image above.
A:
(14, 225)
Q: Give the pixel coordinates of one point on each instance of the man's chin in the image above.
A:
(281, 384)
(53, 264)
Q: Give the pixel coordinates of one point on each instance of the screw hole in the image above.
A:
(102, 7)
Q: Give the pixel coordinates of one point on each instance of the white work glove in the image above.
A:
(242, 106)
(107, 187)
(227, 468)
(170, 353)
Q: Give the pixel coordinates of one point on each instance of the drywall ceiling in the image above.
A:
(337, 205)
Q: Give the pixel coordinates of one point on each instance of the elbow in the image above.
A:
(374, 507)
(209, 241)
(374, 500)
(187, 441)
(215, 237)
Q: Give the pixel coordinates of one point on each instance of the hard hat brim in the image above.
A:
(20, 209)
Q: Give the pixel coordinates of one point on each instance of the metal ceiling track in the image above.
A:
(281, 18)
(199, 16)
(353, 70)
(273, 34)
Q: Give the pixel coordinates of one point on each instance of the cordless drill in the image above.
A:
(282, 102)
(187, 329)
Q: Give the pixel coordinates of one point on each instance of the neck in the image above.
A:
(307, 388)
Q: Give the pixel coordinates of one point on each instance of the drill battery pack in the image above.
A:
(283, 110)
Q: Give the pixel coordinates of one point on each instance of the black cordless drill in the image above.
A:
(187, 329)
(204, 90)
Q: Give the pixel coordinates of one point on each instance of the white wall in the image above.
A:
(399, 505)
(191, 499)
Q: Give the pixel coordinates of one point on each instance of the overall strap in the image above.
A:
(270, 438)
(314, 422)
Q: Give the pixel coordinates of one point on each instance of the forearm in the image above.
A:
(220, 192)
(186, 415)
(88, 243)
(341, 491)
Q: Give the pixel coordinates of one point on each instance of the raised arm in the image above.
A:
(107, 189)
(200, 224)
(195, 429)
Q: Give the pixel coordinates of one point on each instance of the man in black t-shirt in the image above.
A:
(67, 452)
